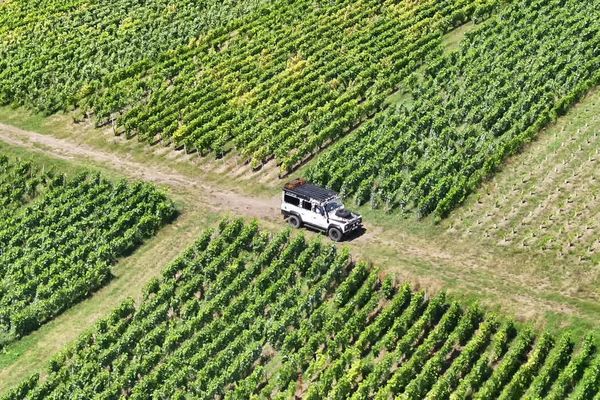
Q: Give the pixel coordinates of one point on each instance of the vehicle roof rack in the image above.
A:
(307, 191)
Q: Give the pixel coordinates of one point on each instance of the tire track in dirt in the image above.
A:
(453, 264)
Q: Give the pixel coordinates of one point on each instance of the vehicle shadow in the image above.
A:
(347, 238)
(354, 234)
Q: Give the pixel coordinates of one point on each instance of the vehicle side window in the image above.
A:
(291, 200)
(306, 205)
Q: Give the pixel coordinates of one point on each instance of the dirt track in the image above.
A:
(422, 260)
(197, 187)
(216, 198)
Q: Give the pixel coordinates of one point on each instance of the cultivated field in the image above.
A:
(412, 250)
(279, 81)
(466, 133)
(59, 237)
(546, 201)
(274, 80)
(469, 109)
(243, 313)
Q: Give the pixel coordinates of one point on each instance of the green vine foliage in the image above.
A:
(59, 237)
(470, 109)
(247, 314)
(271, 79)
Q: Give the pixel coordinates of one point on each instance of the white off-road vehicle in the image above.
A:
(310, 205)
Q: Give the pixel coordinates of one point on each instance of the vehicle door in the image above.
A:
(320, 217)
(308, 215)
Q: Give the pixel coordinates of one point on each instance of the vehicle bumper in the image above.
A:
(353, 226)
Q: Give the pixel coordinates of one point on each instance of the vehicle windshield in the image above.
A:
(334, 205)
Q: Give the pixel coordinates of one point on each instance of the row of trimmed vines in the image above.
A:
(59, 237)
(280, 81)
(247, 314)
(469, 109)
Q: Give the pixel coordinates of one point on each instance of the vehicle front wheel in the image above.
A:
(335, 234)
(295, 221)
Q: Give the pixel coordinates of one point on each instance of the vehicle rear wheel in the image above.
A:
(295, 221)
(335, 234)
